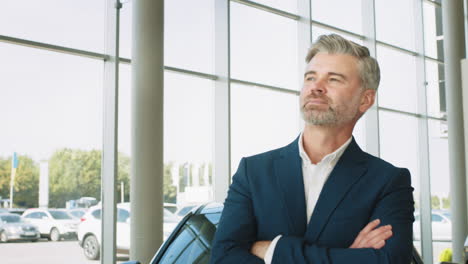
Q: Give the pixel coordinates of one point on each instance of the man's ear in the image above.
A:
(367, 100)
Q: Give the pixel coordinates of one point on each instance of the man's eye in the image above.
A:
(334, 80)
(310, 78)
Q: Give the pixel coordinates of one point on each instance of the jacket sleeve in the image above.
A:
(237, 228)
(395, 206)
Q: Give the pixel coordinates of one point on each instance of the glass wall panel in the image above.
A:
(263, 47)
(432, 24)
(395, 22)
(341, 14)
(440, 187)
(188, 34)
(398, 86)
(188, 139)
(318, 31)
(261, 120)
(399, 146)
(52, 105)
(67, 23)
(433, 88)
(125, 39)
(288, 6)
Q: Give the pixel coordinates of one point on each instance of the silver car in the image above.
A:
(13, 227)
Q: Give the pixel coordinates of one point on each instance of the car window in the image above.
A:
(40, 215)
(437, 218)
(11, 218)
(185, 210)
(192, 244)
(97, 214)
(123, 215)
(59, 215)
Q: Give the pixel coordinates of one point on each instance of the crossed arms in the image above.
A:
(236, 239)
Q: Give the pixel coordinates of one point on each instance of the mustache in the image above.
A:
(312, 96)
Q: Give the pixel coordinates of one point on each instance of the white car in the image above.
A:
(89, 230)
(441, 226)
(53, 224)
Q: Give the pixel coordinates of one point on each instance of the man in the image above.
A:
(321, 199)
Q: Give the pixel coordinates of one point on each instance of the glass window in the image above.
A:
(395, 22)
(440, 185)
(58, 22)
(122, 215)
(60, 215)
(125, 125)
(188, 139)
(435, 88)
(261, 120)
(193, 243)
(288, 6)
(263, 47)
(125, 30)
(432, 30)
(318, 31)
(97, 214)
(341, 14)
(188, 34)
(398, 86)
(437, 218)
(54, 105)
(399, 146)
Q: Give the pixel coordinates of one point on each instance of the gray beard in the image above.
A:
(316, 118)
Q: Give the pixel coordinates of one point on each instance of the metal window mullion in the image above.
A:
(110, 135)
(423, 138)
(371, 118)
(222, 122)
(304, 40)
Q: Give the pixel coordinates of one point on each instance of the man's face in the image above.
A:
(331, 95)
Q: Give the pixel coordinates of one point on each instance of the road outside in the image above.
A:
(45, 252)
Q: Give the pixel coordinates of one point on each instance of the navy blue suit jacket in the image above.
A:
(266, 199)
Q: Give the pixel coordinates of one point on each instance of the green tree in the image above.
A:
(446, 202)
(169, 190)
(77, 173)
(435, 202)
(26, 185)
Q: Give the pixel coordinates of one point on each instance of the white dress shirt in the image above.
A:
(314, 176)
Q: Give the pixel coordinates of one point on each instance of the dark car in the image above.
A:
(191, 241)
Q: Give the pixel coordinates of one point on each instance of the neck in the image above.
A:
(319, 141)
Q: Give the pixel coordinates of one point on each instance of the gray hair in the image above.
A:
(335, 44)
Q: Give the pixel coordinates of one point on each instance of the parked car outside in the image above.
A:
(184, 210)
(13, 227)
(441, 226)
(53, 224)
(77, 212)
(172, 207)
(192, 239)
(89, 230)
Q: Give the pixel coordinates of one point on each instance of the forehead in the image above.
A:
(340, 63)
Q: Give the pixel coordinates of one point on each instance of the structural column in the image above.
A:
(222, 151)
(454, 45)
(371, 118)
(146, 186)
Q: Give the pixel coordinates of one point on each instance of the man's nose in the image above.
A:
(318, 87)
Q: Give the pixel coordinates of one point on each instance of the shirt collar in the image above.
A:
(331, 158)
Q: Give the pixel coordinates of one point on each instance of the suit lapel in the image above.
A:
(288, 173)
(347, 171)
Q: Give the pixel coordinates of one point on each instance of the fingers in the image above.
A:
(372, 237)
(377, 236)
(369, 227)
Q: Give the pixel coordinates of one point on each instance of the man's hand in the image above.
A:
(372, 237)
(260, 248)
